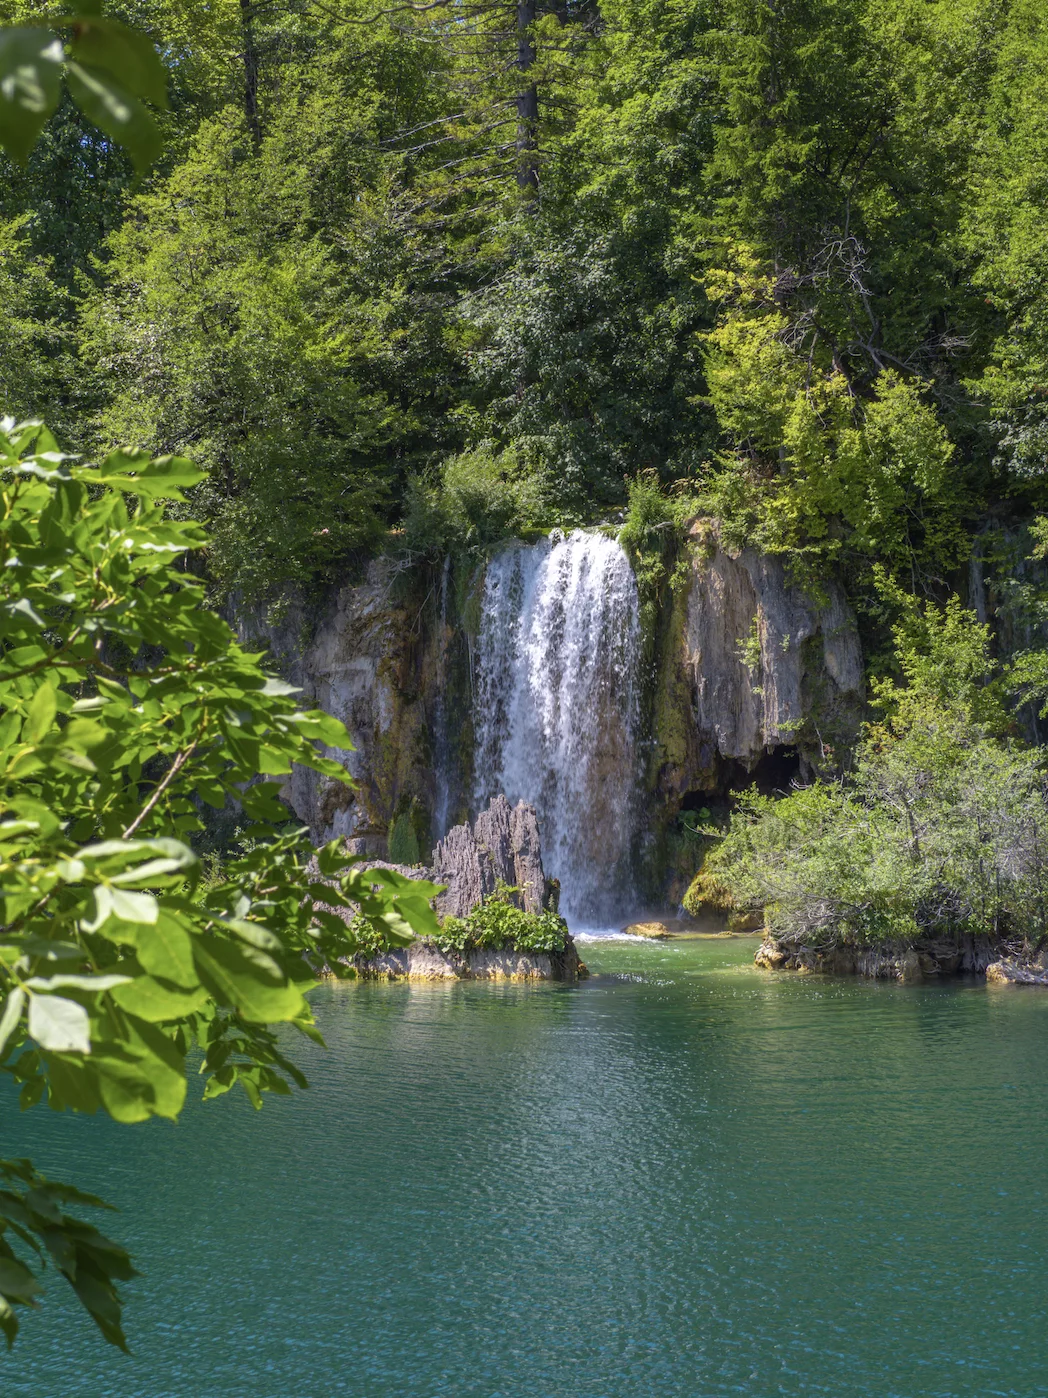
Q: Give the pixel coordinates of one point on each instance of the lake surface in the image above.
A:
(682, 1178)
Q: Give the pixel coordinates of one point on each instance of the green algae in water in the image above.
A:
(683, 1178)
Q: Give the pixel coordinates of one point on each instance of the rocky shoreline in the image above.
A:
(1003, 965)
(422, 962)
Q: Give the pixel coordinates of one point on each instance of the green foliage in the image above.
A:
(943, 656)
(812, 462)
(483, 496)
(790, 256)
(498, 924)
(403, 840)
(652, 534)
(940, 830)
(706, 893)
(33, 1211)
(111, 72)
(123, 704)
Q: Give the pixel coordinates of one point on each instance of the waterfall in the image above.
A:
(556, 709)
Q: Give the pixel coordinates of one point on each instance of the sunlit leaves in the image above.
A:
(124, 700)
(30, 84)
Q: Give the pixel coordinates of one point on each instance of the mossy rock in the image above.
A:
(707, 895)
(652, 930)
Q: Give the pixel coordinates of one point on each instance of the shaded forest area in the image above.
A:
(422, 275)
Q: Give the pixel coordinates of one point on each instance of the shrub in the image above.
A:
(497, 924)
(483, 496)
(941, 829)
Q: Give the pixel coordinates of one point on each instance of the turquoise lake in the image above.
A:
(683, 1178)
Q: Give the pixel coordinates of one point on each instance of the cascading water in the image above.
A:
(556, 709)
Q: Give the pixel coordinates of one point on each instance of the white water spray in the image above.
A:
(556, 710)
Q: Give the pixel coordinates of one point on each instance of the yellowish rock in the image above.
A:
(654, 930)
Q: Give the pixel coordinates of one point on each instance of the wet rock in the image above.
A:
(651, 930)
(1009, 972)
(770, 956)
(909, 971)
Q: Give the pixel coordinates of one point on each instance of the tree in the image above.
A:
(124, 705)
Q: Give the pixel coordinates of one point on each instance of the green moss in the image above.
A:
(707, 894)
(403, 847)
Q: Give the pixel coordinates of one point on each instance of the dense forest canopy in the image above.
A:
(452, 270)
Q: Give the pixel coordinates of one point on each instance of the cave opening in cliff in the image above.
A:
(772, 775)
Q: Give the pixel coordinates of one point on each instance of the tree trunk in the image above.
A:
(527, 102)
(250, 57)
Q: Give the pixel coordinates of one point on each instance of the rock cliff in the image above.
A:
(768, 664)
(503, 846)
(750, 672)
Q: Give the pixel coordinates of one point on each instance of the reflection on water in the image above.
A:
(681, 1178)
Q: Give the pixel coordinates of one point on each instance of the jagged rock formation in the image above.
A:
(503, 846)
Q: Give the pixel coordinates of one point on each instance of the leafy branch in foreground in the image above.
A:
(124, 705)
(110, 70)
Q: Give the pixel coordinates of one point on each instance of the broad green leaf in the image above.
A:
(120, 903)
(151, 1000)
(117, 112)
(13, 1006)
(166, 951)
(42, 710)
(236, 981)
(59, 1025)
(47, 984)
(30, 85)
(17, 1281)
(124, 1087)
(109, 46)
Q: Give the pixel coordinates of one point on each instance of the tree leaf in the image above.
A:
(236, 981)
(111, 47)
(42, 710)
(119, 114)
(13, 1006)
(151, 1000)
(166, 951)
(30, 85)
(59, 1025)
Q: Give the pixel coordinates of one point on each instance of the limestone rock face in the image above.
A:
(366, 658)
(503, 845)
(765, 660)
(425, 963)
(1011, 971)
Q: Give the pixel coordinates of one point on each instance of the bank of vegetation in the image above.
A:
(395, 281)
(414, 278)
(936, 836)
